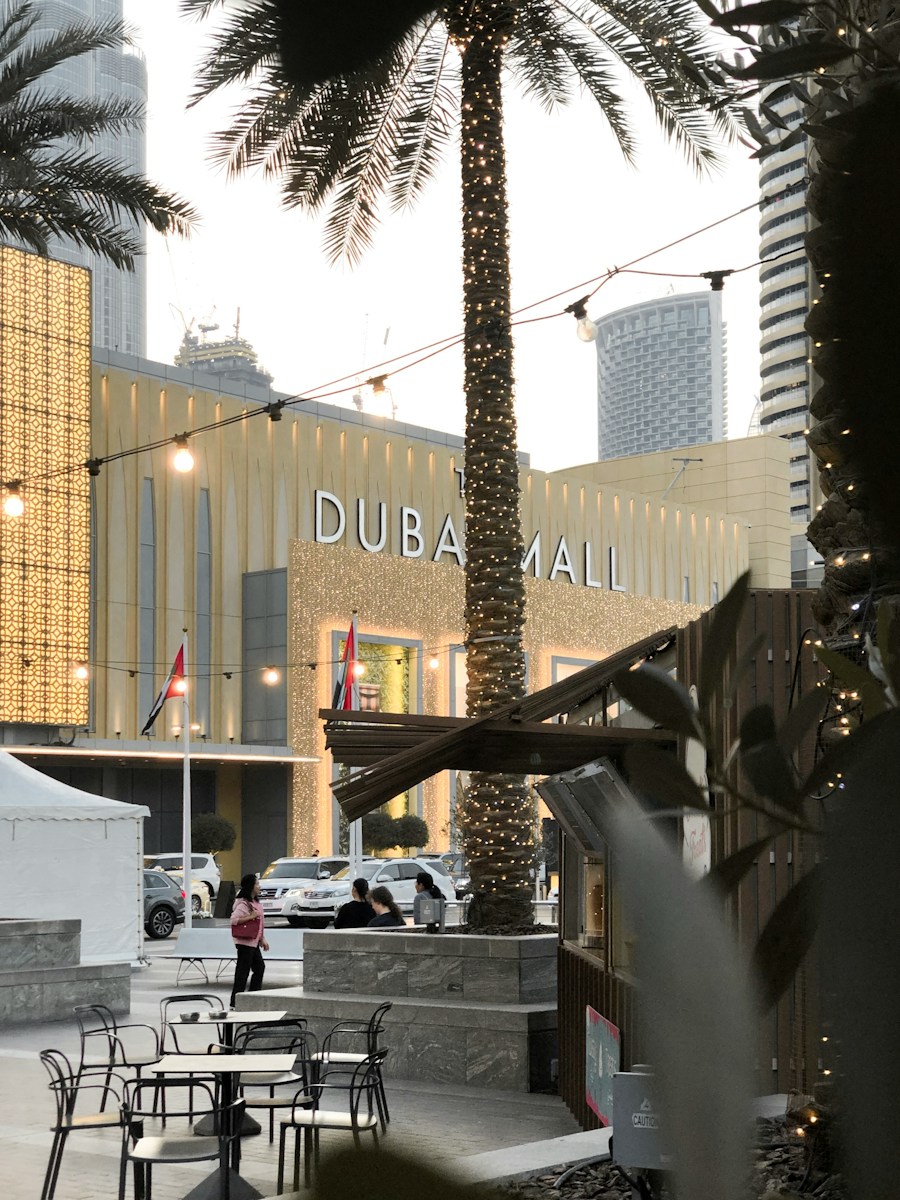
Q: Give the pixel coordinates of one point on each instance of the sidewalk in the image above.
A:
(446, 1124)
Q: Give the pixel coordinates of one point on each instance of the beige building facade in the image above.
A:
(294, 516)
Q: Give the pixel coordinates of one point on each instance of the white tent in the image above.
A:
(65, 853)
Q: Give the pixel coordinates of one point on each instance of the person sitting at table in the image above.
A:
(388, 915)
(247, 925)
(358, 912)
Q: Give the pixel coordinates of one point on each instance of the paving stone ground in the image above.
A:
(443, 1123)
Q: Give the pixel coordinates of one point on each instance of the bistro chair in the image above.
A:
(285, 1089)
(144, 1150)
(359, 1117)
(351, 1042)
(174, 1032)
(102, 1045)
(66, 1086)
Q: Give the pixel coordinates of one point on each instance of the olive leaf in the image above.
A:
(801, 59)
(728, 872)
(786, 938)
(764, 761)
(767, 12)
(660, 776)
(855, 677)
(656, 694)
(720, 639)
(841, 757)
(807, 712)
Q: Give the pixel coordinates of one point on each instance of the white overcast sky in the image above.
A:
(576, 211)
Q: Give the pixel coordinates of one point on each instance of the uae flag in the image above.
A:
(346, 692)
(174, 686)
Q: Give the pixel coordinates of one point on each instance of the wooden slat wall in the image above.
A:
(789, 1037)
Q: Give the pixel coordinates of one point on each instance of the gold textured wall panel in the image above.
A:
(423, 602)
(45, 409)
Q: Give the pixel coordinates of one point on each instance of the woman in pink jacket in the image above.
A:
(247, 925)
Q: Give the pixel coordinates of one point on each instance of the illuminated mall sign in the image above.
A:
(577, 564)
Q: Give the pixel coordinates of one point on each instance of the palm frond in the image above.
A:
(107, 188)
(536, 57)
(666, 50)
(245, 46)
(39, 117)
(44, 52)
(33, 222)
(431, 116)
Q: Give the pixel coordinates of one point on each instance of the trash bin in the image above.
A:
(224, 899)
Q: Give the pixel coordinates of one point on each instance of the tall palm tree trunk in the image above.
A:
(497, 821)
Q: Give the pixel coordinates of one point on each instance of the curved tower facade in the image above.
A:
(119, 297)
(661, 375)
(786, 284)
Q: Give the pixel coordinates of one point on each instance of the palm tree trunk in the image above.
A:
(497, 821)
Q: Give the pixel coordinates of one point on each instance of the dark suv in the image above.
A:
(163, 904)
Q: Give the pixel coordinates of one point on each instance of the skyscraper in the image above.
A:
(661, 375)
(119, 297)
(785, 286)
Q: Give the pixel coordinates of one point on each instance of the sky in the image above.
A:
(576, 210)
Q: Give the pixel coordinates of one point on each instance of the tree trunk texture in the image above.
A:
(497, 821)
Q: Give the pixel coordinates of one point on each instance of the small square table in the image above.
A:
(249, 1125)
(227, 1066)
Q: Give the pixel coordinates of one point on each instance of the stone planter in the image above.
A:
(478, 1011)
(41, 977)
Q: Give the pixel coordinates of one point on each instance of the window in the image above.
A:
(408, 870)
(198, 861)
(391, 872)
(154, 881)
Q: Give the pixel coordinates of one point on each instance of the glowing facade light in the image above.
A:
(183, 460)
(13, 504)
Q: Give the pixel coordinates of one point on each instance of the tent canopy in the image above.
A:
(29, 795)
(76, 855)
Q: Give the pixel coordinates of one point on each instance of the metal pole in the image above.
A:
(186, 793)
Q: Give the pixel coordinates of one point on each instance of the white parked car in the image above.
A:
(319, 902)
(203, 867)
(283, 883)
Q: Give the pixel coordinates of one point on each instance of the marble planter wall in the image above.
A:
(469, 1010)
(467, 967)
(41, 978)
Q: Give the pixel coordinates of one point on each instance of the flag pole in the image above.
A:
(186, 789)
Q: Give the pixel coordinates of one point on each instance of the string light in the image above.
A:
(183, 459)
(433, 662)
(359, 669)
(271, 676)
(13, 504)
(80, 671)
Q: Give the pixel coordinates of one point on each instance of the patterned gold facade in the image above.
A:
(45, 411)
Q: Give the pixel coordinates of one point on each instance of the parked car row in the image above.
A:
(306, 891)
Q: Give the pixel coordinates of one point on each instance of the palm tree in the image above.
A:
(51, 184)
(378, 130)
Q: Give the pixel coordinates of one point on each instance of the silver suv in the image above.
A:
(282, 883)
(319, 902)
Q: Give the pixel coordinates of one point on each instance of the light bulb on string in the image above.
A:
(13, 504)
(80, 671)
(182, 460)
(271, 676)
(585, 329)
(433, 662)
(359, 669)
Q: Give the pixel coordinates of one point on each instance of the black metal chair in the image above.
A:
(99, 1031)
(144, 1150)
(360, 1116)
(171, 1009)
(336, 1056)
(66, 1086)
(285, 1089)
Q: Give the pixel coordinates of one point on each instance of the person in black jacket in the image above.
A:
(358, 912)
(388, 915)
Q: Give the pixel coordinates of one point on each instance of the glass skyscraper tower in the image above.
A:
(119, 297)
